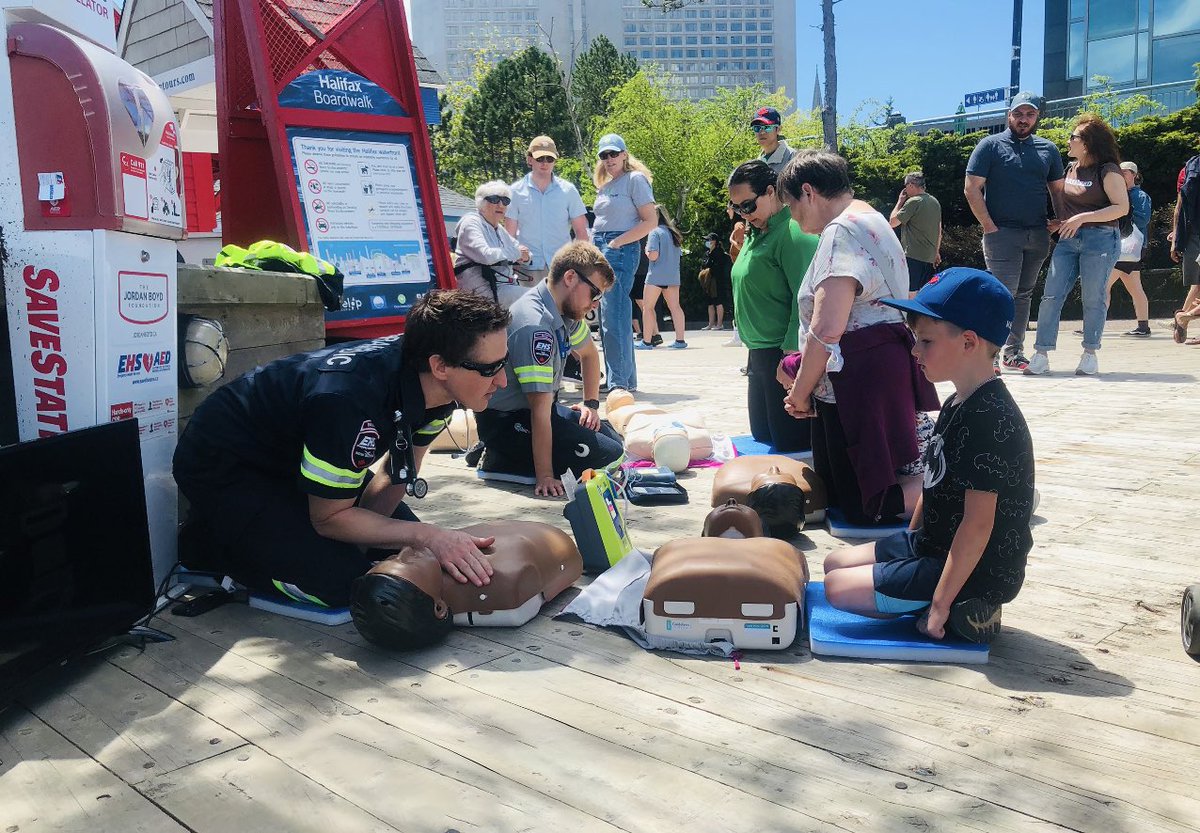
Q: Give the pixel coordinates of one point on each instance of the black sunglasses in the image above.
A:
(746, 208)
(487, 371)
(609, 154)
(545, 160)
(496, 199)
(595, 291)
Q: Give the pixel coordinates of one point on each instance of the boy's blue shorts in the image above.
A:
(904, 580)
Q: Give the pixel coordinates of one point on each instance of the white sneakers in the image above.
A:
(1039, 364)
(1088, 365)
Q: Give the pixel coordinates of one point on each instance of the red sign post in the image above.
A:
(323, 146)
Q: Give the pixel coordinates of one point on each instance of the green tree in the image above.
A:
(599, 70)
(1116, 107)
(518, 98)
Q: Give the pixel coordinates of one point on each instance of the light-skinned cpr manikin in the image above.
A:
(651, 433)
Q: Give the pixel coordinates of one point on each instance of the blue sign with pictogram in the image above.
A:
(996, 96)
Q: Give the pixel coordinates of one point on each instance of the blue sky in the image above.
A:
(923, 53)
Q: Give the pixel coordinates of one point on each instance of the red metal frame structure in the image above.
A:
(264, 45)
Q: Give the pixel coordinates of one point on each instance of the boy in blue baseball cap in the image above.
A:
(964, 553)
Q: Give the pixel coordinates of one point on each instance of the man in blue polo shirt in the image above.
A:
(545, 210)
(1009, 177)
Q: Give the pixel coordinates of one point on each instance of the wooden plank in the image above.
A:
(247, 789)
(622, 786)
(872, 714)
(46, 784)
(381, 760)
(131, 728)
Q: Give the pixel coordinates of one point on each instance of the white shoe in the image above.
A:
(1039, 364)
(1088, 365)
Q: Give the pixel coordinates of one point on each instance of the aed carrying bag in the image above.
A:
(594, 508)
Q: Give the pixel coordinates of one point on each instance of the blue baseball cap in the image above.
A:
(968, 298)
(1025, 99)
(610, 141)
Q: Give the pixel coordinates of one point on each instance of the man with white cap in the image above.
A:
(545, 211)
(1010, 175)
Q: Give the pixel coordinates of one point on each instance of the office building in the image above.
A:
(1146, 46)
(719, 43)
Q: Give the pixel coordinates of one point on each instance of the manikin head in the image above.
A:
(398, 604)
(779, 501)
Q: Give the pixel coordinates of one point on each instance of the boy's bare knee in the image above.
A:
(835, 560)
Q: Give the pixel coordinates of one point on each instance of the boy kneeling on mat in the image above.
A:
(964, 553)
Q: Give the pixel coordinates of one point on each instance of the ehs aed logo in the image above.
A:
(143, 364)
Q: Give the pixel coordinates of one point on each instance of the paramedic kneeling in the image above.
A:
(296, 473)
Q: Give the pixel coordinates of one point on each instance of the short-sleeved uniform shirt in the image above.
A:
(539, 341)
(322, 417)
(1016, 171)
(920, 219)
(544, 217)
(618, 201)
(861, 245)
(981, 444)
(665, 270)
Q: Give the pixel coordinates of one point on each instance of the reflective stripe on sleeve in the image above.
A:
(321, 472)
(432, 429)
(534, 374)
(580, 335)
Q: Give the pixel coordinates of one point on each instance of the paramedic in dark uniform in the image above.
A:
(297, 473)
(528, 436)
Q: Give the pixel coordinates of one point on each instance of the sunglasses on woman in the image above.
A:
(609, 154)
(487, 371)
(496, 199)
(746, 208)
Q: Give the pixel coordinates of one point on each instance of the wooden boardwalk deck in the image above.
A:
(1085, 719)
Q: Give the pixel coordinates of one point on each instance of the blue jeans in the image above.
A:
(616, 313)
(1088, 257)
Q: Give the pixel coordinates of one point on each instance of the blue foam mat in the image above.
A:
(839, 527)
(747, 446)
(300, 610)
(837, 633)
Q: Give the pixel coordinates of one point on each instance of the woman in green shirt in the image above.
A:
(766, 278)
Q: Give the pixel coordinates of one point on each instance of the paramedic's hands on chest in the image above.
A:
(458, 343)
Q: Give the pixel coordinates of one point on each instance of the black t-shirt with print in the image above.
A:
(981, 444)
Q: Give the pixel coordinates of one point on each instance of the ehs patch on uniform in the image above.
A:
(365, 445)
(543, 346)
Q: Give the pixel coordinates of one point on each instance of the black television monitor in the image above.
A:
(75, 565)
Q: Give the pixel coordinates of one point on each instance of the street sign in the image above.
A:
(995, 96)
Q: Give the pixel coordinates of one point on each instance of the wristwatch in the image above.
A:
(594, 404)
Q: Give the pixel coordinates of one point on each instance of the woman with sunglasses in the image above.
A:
(485, 252)
(625, 213)
(1094, 199)
(766, 277)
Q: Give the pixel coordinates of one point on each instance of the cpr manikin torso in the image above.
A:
(408, 601)
(650, 433)
(746, 590)
(764, 482)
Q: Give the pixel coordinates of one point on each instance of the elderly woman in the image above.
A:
(857, 379)
(1094, 199)
(766, 277)
(485, 252)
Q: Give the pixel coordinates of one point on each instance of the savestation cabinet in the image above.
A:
(90, 209)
